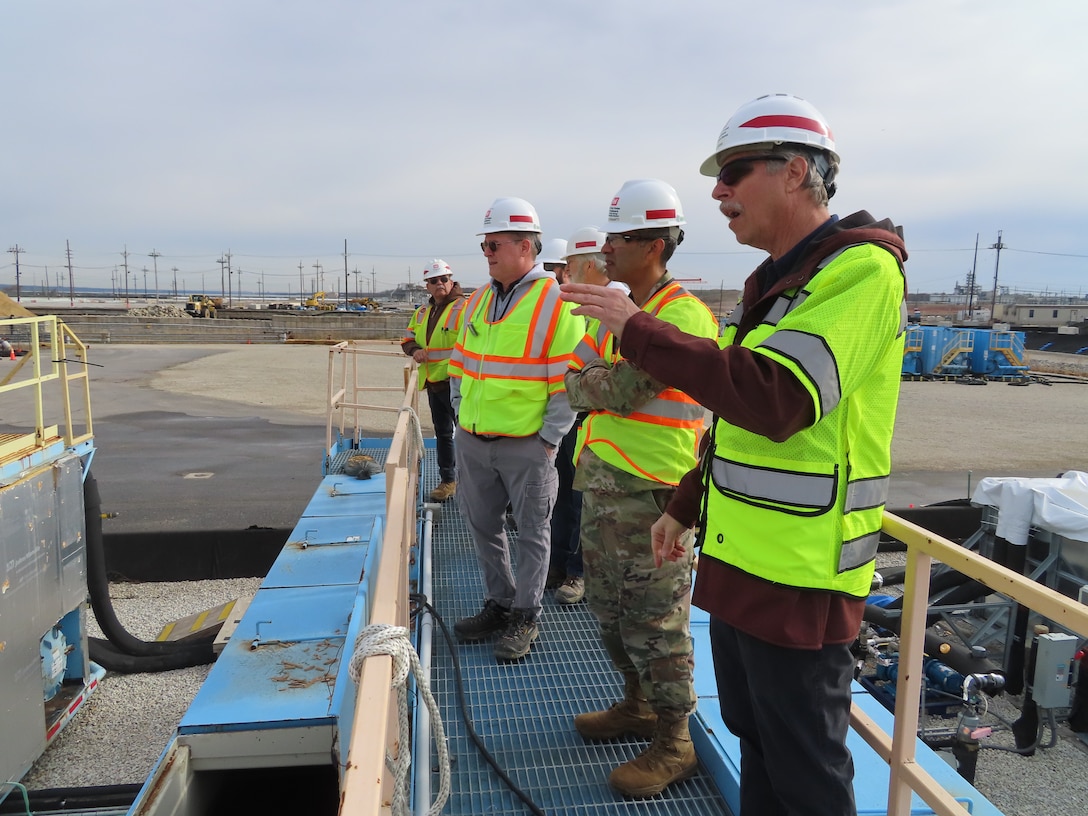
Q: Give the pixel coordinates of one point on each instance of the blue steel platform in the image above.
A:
(279, 698)
(523, 712)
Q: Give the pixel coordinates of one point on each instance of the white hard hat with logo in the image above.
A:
(555, 251)
(770, 120)
(644, 204)
(436, 269)
(586, 241)
(510, 215)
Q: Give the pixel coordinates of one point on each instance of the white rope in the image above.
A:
(383, 638)
(415, 426)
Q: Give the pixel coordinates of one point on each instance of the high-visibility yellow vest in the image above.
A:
(807, 512)
(510, 367)
(440, 344)
(658, 441)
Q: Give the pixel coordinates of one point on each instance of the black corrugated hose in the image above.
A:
(121, 651)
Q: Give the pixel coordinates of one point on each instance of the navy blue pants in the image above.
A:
(566, 554)
(442, 417)
(790, 708)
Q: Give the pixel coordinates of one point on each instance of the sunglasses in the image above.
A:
(494, 245)
(439, 279)
(615, 237)
(734, 172)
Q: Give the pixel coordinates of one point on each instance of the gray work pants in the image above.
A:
(518, 471)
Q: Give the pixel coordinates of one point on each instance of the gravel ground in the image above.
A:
(946, 433)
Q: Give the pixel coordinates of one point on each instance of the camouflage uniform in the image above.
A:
(642, 609)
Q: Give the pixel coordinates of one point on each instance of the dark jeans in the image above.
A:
(567, 516)
(442, 417)
(791, 710)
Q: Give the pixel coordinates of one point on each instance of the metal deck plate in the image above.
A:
(524, 711)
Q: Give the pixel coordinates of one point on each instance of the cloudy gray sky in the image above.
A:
(276, 130)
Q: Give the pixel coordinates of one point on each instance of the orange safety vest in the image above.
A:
(511, 367)
(659, 440)
(440, 344)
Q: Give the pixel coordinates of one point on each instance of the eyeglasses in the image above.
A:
(734, 172)
(494, 245)
(615, 237)
(439, 279)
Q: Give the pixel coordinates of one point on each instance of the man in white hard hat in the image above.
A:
(554, 258)
(584, 262)
(639, 438)
(432, 332)
(789, 497)
(506, 377)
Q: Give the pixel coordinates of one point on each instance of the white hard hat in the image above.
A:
(436, 269)
(510, 215)
(644, 204)
(586, 241)
(555, 251)
(771, 120)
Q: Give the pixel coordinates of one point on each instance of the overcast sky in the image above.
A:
(276, 130)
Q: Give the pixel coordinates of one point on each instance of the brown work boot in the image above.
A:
(445, 490)
(669, 758)
(631, 715)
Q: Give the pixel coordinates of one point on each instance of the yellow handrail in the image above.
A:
(367, 781)
(52, 352)
(898, 749)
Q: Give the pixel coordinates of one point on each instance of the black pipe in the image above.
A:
(1015, 558)
(93, 798)
(124, 652)
(955, 655)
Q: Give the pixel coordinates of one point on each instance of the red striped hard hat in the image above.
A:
(510, 215)
(644, 204)
(771, 120)
(586, 241)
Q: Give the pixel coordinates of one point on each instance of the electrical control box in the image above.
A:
(1053, 664)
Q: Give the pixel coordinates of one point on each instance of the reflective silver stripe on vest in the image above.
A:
(858, 551)
(865, 494)
(585, 352)
(688, 410)
(538, 340)
(801, 490)
(779, 309)
(811, 353)
(735, 315)
(902, 318)
(494, 368)
(436, 354)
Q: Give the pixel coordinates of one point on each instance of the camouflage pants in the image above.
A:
(643, 610)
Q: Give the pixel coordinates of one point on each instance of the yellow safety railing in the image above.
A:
(367, 782)
(53, 355)
(898, 749)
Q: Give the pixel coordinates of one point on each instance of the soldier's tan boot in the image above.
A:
(630, 716)
(669, 758)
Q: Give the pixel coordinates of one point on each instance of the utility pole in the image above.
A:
(997, 262)
(320, 279)
(155, 255)
(71, 286)
(222, 276)
(345, 273)
(175, 271)
(373, 281)
(355, 272)
(239, 270)
(125, 256)
(145, 283)
(971, 281)
(15, 250)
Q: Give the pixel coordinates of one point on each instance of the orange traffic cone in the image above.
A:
(13, 352)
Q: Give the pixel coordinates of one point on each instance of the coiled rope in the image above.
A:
(417, 429)
(384, 638)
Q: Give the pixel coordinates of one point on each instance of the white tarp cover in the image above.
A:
(1059, 505)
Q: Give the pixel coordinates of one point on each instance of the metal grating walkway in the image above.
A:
(523, 711)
